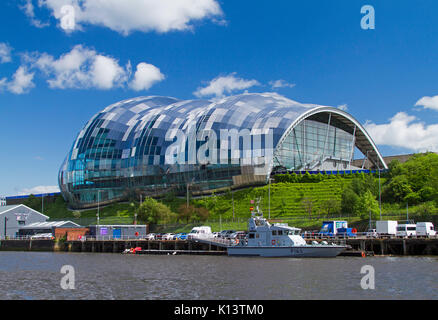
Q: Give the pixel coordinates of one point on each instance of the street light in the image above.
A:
(269, 198)
(380, 194)
(6, 220)
(98, 209)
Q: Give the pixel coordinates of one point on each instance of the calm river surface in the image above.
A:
(36, 275)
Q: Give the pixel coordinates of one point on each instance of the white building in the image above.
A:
(2, 201)
(15, 217)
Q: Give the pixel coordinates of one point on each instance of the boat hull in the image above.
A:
(294, 252)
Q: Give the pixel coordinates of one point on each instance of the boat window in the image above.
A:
(251, 236)
(274, 232)
(412, 228)
(257, 235)
(280, 232)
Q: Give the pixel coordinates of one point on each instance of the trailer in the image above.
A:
(386, 228)
(333, 229)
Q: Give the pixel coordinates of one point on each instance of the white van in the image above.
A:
(425, 229)
(203, 232)
(406, 230)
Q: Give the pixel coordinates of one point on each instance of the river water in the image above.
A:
(36, 275)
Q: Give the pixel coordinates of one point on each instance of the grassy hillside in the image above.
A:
(302, 204)
(287, 199)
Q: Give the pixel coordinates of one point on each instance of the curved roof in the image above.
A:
(137, 128)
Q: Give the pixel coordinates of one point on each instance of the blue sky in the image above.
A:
(385, 77)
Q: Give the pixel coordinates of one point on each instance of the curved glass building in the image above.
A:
(154, 145)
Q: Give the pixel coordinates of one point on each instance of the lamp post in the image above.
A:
(269, 198)
(6, 221)
(98, 208)
(232, 199)
(42, 203)
(380, 195)
(187, 195)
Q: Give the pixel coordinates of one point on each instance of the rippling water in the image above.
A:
(36, 275)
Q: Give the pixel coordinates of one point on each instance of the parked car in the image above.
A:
(238, 235)
(180, 236)
(159, 236)
(167, 236)
(215, 234)
(372, 233)
(150, 236)
(225, 234)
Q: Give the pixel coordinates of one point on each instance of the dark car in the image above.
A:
(225, 234)
(159, 236)
(238, 235)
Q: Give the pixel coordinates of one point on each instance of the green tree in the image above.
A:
(349, 201)
(426, 209)
(201, 214)
(397, 189)
(367, 203)
(186, 213)
(330, 207)
(76, 214)
(33, 202)
(153, 212)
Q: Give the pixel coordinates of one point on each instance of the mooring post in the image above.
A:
(362, 245)
(404, 247)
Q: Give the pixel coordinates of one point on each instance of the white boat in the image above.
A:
(279, 240)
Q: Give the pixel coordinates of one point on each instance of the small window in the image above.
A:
(251, 236)
(21, 222)
(280, 232)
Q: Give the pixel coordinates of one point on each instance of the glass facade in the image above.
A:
(154, 145)
(310, 143)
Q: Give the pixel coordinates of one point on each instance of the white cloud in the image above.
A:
(39, 190)
(145, 76)
(105, 72)
(80, 68)
(225, 84)
(21, 81)
(29, 10)
(428, 102)
(276, 84)
(84, 68)
(136, 15)
(5, 53)
(405, 131)
(343, 107)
